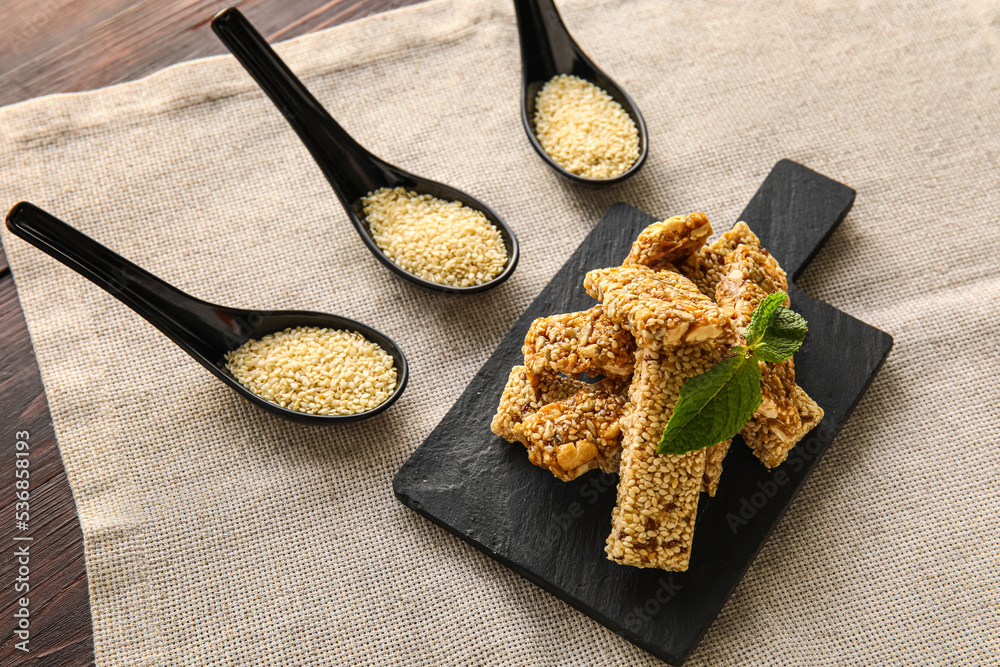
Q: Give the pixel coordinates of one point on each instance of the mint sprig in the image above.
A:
(714, 405)
(783, 336)
(761, 317)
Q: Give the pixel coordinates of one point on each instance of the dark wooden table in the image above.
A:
(56, 46)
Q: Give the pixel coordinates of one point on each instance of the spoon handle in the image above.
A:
(351, 170)
(546, 45)
(200, 328)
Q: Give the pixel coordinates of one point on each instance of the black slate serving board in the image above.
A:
(484, 490)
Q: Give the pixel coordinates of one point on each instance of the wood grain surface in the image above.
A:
(56, 46)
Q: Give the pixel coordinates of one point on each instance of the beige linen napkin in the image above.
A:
(216, 534)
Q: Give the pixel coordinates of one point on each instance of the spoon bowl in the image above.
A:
(352, 171)
(548, 50)
(203, 330)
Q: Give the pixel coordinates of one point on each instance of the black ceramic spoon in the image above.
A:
(548, 50)
(203, 330)
(351, 170)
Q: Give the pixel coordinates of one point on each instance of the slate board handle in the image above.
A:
(793, 196)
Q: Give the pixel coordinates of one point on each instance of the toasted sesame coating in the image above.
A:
(316, 371)
(704, 268)
(653, 525)
(810, 414)
(583, 129)
(657, 307)
(582, 342)
(809, 411)
(714, 456)
(577, 434)
(663, 244)
(440, 241)
(520, 399)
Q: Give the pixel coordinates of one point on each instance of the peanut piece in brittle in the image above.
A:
(659, 308)
(577, 434)
(574, 343)
(663, 244)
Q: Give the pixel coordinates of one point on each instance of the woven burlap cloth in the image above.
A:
(216, 534)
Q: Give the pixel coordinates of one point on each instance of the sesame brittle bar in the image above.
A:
(659, 308)
(665, 243)
(749, 275)
(568, 426)
(653, 521)
(578, 434)
(574, 343)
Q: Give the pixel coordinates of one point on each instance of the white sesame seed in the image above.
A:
(440, 241)
(315, 370)
(583, 129)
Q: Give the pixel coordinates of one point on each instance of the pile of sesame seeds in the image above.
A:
(440, 241)
(583, 129)
(316, 371)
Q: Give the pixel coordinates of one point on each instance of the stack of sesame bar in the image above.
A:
(671, 311)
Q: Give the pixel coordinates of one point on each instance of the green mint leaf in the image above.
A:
(783, 336)
(714, 405)
(761, 318)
